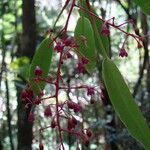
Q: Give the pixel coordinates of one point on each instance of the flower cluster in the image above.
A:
(68, 110)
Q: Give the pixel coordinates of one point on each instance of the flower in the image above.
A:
(89, 133)
(105, 31)
(59, 47)
(38, 71)
(90, 91)
(48, 112)
(123, 53)
(68, 41)
(72, 105)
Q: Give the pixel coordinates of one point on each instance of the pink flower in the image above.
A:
(77, 108)
(89, 133)
(27, 95)
(59, 47)
(72, 105)
(123, 53)
(71, 124)
(38, 71)
(48, 112)
(105, 31)
(90, 91)
(74, 120)
(68, 41)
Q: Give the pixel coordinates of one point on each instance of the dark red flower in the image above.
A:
(37, 101)
(68, 41)
(71, 124)
(123, 53)
(77, 108)
(90, 91)
(105, 31)
(27, 95)
(70, 104)
(59, 47)
(74, 120)
(38, 71)
(48, 112)
(89, 133)
(24, 95)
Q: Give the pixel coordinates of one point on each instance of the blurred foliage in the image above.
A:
(20, 66)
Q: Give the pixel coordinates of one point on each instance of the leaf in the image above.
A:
(85, 40)
(42, 58)
(98, 39)
(124, 103)
(144, 4)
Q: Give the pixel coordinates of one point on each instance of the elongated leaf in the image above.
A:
(85, 40)
(124, 103)
(100, 39)
(144, 4)
(42, 58)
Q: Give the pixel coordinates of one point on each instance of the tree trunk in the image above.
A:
(28, 44)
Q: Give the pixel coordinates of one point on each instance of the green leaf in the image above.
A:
(144, 4)
(124, 103)
(42, 58)
(85, 40)
(101, 42)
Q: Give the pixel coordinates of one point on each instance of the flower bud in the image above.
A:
(41, 146)
(123, 53)
(89, 133)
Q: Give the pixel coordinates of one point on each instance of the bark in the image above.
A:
(28, 44)
(28, 41)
